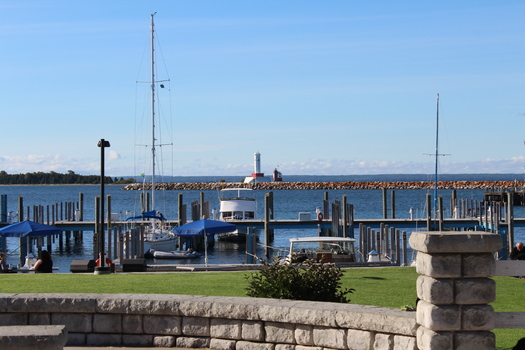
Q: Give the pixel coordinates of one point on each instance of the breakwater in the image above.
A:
(347, 185)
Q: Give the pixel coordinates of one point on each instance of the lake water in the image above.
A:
(287, 205)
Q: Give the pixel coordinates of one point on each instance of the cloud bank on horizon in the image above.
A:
(318, 88)
(57, 163)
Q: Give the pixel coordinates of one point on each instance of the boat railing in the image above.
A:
(237, 199)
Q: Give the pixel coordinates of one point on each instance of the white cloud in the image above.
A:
(117, 166)
(113, 155)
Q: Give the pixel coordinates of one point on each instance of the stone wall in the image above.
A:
(455, 289)
(212, 322)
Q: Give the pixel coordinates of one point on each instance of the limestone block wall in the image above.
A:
(455, 289)
(212, 322)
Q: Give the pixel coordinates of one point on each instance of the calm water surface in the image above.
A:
(287, 205)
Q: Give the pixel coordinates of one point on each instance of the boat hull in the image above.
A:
(174, 254)
(163, 245)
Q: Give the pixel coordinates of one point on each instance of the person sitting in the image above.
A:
(518, 252)
(3, 265)
(44, 264)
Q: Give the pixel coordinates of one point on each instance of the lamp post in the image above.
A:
(102, 269)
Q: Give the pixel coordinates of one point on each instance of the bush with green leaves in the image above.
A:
(298, 281)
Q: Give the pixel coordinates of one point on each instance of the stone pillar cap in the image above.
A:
(455, 242)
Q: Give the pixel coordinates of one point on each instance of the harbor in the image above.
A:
(294, 214)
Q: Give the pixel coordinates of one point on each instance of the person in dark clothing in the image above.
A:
(3, 265)
(44, 264)
(518, 252)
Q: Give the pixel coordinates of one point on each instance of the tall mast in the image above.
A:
(152, 29)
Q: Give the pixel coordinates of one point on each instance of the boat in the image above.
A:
(157, 235)
(321, 250)
(174, 254)
(236, 204)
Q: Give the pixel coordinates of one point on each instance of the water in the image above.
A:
(287, 205)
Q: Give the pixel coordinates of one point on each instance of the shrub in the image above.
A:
(298, 281)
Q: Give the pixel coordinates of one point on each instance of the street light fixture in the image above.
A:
(102, 269)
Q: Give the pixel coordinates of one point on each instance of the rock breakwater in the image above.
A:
(347, 185)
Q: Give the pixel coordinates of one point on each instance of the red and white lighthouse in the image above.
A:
(257, 166)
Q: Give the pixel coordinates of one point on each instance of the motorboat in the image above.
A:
(174, 254)
(236, 204)
(321, 250)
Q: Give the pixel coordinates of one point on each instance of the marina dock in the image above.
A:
(334, 218)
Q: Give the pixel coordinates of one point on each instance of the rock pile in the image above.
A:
(348, 185)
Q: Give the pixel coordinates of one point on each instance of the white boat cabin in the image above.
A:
(237, 204)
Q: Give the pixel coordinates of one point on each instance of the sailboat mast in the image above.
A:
(437, 154)
(152, 29)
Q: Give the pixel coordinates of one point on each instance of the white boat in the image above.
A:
(157, 235)
(236, 204)
(174, 254)
(321, 250)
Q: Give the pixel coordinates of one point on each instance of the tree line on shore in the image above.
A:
(54, 178)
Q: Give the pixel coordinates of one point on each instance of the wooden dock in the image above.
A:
(449, 223)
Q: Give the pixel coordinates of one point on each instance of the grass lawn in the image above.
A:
(389, 287)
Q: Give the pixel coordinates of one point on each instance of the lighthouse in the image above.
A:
(257, 166)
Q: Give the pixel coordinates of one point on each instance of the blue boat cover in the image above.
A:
(28, 229)
(152, 214)
(204, 227)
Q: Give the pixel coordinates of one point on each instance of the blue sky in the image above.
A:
(317, 87)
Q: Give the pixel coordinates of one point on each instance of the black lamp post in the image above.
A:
(102, 269)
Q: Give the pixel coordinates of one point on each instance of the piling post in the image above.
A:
(119, 244)
(271, 215)
(21, 240)
(360, 244)
(266, 226)
(452, 203)
(108, 204)
(345, 216)
(393, 204)
(81, 206)
(510, 225)
(49, 238)
(398, 248)
(350, 212)
(386, 241)
(381, 240)
(201, 206)
(429, 212)
(3, 208)
(378, 242)
(371, 240)
(441, 212)
(383, 194)
(405, 252)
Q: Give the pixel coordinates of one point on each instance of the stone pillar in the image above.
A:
(454, 289)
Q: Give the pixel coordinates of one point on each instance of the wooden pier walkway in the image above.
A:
(311, 224)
